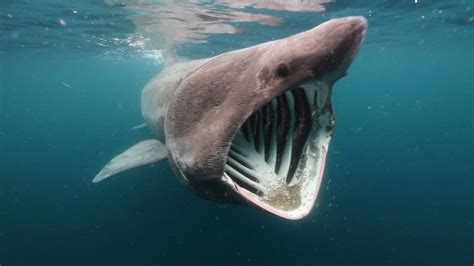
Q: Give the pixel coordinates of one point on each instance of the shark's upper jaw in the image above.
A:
(276, 160)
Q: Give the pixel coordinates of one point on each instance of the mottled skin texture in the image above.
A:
(157, 93)
(197, 107)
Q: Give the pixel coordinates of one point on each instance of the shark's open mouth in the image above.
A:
(277, 158)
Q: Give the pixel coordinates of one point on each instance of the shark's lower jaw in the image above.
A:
(276, 160)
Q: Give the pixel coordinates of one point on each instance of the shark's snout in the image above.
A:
(335, 45)
(358, 23)
(355, 29)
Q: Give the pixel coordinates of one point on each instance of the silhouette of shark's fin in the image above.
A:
(142, 153)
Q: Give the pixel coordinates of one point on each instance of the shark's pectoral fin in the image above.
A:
(142, 153)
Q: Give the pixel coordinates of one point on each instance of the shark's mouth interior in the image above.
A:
(276, 160)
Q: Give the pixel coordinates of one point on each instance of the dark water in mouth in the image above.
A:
(399, 181)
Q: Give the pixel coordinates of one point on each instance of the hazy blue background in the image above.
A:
(399, 184)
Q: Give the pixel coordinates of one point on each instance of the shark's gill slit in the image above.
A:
(267, 121)
(238, 158)
(287, 143)
(270, 145)
(234, 149)
(243, 180)
(302, 129)
(283, 125)
(247, 132)
(254, 125)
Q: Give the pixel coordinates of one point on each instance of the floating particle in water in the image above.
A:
(66, 84)
(62, 22)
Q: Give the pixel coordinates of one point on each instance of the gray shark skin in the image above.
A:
(251, 126)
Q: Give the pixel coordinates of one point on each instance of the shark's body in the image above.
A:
(252, 125)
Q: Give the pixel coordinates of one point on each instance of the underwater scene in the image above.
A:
(324, 132)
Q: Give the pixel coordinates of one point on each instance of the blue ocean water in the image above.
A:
(399, 181)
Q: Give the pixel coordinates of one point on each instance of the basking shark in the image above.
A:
(250, 126)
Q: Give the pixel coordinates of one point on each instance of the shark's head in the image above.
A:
(254, 125)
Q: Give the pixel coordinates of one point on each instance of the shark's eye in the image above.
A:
(282, 70)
